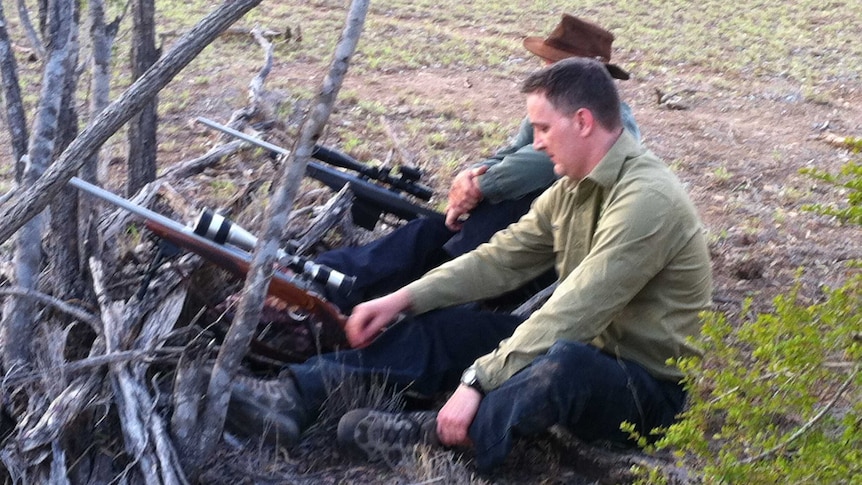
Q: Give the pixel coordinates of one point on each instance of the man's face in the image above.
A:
(558, 135)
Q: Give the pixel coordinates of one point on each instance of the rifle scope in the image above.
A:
(221, 230)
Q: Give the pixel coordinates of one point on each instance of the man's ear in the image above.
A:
(584, 120)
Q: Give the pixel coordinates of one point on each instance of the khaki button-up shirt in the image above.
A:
(632, 259)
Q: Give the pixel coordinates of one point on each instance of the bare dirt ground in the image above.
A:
(737, 144)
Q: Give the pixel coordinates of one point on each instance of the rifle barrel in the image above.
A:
(373, 199)
(125, 204)
(164, 226)
(228, 257)
(242, 136)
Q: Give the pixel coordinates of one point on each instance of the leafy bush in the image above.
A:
(850, 179)
(778, 397)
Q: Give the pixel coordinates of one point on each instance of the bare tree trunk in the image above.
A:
(16, 119)
(257, 281)
(32, 36)
(101, 39)
(42, 10)
(24, 203)
(65, 269)
(19, 314)
(142, 127)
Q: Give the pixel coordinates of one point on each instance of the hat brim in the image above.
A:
(617, 72)
(537, 46)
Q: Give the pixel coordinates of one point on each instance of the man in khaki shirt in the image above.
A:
(634, 274)
(494, 192)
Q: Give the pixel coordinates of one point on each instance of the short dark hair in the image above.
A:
(575, 83)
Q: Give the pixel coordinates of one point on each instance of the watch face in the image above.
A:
(469, 376)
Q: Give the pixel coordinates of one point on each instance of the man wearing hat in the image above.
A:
(493, 193)
(519, 169)
(428, 354)
(635, 274)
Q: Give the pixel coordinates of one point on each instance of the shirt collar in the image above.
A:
(606, 173)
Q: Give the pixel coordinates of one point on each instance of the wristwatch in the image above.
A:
(471, 379)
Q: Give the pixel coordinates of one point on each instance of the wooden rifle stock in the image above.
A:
(238, 262)
(229, 258)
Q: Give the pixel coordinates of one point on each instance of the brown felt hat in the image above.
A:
(574, 37)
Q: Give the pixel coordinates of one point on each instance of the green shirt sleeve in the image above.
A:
(631, 245)
(517, 169)
(508, 260)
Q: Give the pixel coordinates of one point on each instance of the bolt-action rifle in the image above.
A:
(226, 245)
(370, 199)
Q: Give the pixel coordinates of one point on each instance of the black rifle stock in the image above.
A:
(234, 260)
(370, 199)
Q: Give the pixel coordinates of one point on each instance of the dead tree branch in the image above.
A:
(145, 432)
(164, 354)
(219, 152)
(29, 201)
(32, 36)
(292, 171)
(205, 161)
(255, 88)
(16, 119)
(18, 317)
(239, 118)
(61, 305)
(330, 215)
(808, 425)
(62, 410)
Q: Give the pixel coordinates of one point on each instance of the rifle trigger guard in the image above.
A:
(297, 315)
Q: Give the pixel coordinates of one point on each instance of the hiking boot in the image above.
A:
(271, 410)
(386, 436)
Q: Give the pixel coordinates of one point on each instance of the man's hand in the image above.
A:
(455, 417)
(464, 195)
(371, 318)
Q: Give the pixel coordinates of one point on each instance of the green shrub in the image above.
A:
(778, 397)
(768, 404)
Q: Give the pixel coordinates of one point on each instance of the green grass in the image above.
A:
(809, 44)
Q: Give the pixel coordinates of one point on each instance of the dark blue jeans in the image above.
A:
(425, 354)
(575, 385)
(580, 387)
(405, 254)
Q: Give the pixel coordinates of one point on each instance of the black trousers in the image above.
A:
(385, 265)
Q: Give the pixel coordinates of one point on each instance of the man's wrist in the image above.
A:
(470, 379)
(404, 300)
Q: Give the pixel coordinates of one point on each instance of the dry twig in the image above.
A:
(808, 425)
(76, 312)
